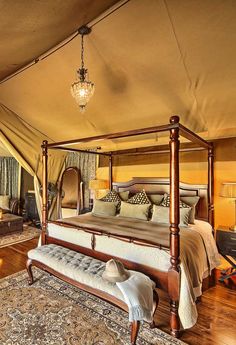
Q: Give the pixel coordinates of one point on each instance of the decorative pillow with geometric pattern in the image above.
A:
(139, 198)
(166, 202)
(112, 196)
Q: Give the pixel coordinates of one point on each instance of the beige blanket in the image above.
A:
(192, 249)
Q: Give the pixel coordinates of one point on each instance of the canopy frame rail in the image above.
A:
(176, 129)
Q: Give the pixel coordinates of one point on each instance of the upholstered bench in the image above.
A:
(82, 271)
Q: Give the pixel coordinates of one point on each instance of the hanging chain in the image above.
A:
(82, 51)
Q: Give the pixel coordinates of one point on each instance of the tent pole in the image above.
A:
(174, 270)
(45, 191)
(211, 186)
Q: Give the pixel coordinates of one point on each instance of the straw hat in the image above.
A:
(115, 271)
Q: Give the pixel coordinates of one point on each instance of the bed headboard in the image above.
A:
(160, 185)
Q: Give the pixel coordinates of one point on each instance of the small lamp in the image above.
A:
(95, 186)
(228, 190)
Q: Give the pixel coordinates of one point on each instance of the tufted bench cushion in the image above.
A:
(81, 269)
(77, 266)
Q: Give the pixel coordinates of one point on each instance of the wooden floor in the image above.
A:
(217, 310)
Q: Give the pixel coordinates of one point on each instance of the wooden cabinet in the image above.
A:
(31, 212)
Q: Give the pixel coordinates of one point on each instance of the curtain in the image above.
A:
(87, 164)
(24, 144)
(9, 172)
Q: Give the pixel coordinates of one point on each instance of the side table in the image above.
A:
(226, 243)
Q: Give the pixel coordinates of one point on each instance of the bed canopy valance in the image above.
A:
(176, 129)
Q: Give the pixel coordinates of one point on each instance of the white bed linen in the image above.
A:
(153, 257)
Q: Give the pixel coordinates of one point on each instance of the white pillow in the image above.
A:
(4, 202)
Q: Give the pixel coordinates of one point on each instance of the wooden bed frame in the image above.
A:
(168, 281)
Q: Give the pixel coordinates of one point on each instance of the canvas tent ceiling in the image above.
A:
(3, 151)
(149, 60)
(29, 28)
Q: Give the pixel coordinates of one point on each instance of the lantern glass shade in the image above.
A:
(82, 91)
(228, 190)
(97, 187)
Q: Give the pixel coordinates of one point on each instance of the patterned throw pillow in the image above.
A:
(166, 202)
(112, 196)
(139, 198)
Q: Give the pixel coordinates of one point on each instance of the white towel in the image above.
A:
(138, 295)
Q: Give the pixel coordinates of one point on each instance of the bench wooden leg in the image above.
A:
(155, 305)
(29, 270)
(134, 331)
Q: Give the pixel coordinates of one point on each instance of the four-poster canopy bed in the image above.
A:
(170, 280)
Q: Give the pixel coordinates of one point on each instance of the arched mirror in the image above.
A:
(71, 193)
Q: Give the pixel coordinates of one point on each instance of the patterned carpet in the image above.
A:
(56, 313)
(28, 233)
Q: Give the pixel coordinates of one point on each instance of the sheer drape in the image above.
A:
(87, 165)
(9, 172)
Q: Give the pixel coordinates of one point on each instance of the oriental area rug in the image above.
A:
(56, 313)
(28, 233)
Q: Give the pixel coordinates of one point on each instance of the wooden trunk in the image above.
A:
(10, 224)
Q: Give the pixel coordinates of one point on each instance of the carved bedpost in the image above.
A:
(110, 172)
(45, 191)
(174, 270)
(211, 186)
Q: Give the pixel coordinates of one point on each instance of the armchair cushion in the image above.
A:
(5, 202)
